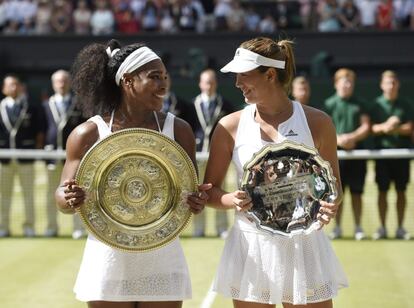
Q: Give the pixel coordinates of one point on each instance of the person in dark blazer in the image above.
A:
(207, 109)
(21, 127)
(62, 116)
(175, 104)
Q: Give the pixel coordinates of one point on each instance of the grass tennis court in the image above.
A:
(41, 272)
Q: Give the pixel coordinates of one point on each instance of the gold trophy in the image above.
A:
(136, 181)
(286, 181)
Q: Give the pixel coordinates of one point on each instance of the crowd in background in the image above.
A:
(100, 17)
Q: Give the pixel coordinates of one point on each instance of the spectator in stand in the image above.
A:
(301, 90)
(392, 127)
(367, 9)
(167, 22)
(60, 20)
(209, 107)
(349, 16)
(222, 10)
(404, 10)
(352, 122)
(209, 20)
(235, 21)
(21, 127)
(62, 116)
(125, 21)
(82, 18)
(102, 20)
(187, 16)
(385, 15)
(268, 24)
(150, 16)
(328, 16)
(3, 18)
(305, 11)
(252, 19)
(137, 6)
(43, 17)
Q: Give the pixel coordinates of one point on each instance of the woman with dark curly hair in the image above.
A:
(125, 87)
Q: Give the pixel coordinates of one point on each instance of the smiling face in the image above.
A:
(147, 86)
(253, 85)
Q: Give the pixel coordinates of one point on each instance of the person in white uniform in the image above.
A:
(258, 269)
(125, 87)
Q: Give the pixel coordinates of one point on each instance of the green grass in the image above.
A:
(41, 272)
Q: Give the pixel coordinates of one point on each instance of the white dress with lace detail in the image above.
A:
(107, 274)
(258, 267)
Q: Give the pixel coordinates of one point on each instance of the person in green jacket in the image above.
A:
(392, 127)
(352, 122)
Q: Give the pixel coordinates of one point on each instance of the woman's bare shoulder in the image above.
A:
(230, 122)
(82, 138)
(316, 117)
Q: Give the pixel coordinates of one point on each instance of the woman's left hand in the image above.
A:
(197, 200)
(327, 211)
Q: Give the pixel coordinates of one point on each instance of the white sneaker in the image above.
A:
(28, 232)
(223, 234)
(380, 234)
(336, 233)
(401, 234)
(78, 234)
(359, 234)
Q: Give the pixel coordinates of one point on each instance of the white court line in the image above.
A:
(210, 297)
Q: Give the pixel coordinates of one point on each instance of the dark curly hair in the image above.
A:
(93, 76)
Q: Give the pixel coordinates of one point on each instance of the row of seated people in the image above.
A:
(100, 17)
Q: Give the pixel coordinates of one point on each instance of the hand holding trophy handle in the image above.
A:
(242, 201)
(328, 210)
(197, 200)
(73, 194)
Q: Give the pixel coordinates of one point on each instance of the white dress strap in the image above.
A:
(103, 129)
(168, 128)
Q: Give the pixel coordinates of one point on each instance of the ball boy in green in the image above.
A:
(392, 126)
(352, 122)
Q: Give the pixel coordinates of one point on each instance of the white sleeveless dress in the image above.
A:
(259, 267)
(107, 274)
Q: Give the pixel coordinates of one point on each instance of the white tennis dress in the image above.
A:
(259, 267)
(107, 274)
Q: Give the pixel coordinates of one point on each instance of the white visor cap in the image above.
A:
(245, 60)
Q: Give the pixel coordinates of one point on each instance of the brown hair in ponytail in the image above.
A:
(278, 50)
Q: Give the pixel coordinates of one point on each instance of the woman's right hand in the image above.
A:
(241, 201)
(73, 194)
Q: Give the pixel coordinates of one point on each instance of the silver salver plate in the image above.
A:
(286, 181)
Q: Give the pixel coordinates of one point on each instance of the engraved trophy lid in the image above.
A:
(286, 181)
(135, 180)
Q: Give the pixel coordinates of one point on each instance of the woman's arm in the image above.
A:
(185, 137)
(69, 195)
(324, 137)
(221, 152)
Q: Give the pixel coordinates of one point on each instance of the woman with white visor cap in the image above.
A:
(258, 269)
(125, 86)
